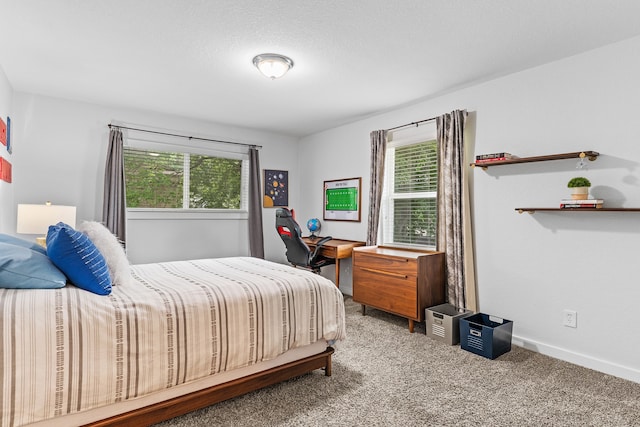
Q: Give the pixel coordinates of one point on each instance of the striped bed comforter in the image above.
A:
(67, 350)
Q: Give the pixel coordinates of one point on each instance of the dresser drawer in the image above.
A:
(390, 292)
(397, 265)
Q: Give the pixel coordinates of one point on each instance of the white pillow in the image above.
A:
(111, 250)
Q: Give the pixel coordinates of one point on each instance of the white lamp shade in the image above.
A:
(36, 219)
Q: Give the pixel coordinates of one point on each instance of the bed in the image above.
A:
(176, 337)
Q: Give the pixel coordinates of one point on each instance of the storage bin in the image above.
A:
(486, 335)
(442, 322)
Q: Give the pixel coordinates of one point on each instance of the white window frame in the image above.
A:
(400, 138)
(169, 144)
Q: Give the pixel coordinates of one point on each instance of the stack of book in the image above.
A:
(581, 204)
(494, 157)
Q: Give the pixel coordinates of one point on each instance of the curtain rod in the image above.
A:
(186, 136)
(413, 123)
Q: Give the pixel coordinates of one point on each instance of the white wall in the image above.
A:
(60, 150)
(7, 212)
(531, 267)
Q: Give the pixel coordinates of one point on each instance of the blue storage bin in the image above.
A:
(486, 335)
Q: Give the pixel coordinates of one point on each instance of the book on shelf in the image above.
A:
(495, 157)
(581, 202)
(581, 205)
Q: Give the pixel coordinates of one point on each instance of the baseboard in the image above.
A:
(599, 365)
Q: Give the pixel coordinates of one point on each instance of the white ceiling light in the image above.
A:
(272, 65)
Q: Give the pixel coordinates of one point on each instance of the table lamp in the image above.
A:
(36, 219)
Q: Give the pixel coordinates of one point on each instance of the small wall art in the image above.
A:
(342, 199)
(276, 188)
(5, 170)
(3, 132)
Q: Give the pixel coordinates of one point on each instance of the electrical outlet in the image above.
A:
(570, 318)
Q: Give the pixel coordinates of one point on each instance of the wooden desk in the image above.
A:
(335, 248)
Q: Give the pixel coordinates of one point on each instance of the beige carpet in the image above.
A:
(385, 376)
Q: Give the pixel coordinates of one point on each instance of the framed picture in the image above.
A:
(342, 199)
(276, 188)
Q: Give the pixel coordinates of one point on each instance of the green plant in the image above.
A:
(579, 181)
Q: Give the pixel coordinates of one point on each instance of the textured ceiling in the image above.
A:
(352, 58)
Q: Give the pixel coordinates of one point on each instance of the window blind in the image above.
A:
(409, 209)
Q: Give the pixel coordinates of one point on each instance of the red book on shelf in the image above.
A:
(494, 159)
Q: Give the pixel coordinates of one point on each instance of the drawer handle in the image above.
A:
(385, 273)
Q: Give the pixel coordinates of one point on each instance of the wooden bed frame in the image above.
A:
(200, 399)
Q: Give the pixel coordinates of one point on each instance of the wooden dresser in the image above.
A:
(399, 281)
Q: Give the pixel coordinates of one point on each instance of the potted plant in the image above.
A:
(579, 187)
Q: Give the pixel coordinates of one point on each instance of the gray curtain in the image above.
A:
(378, 147)
(256, 236)
(454, 231)
(113, 205)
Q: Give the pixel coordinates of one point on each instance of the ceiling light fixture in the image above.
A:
(272, 65)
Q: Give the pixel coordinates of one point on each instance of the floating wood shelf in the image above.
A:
(591, 155)
(532, 210)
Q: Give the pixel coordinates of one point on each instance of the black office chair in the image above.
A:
(298, 253)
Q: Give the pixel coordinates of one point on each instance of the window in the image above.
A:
(409, 199)
(183, 180)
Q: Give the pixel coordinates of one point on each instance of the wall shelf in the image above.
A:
(532, 210)
(591, 155)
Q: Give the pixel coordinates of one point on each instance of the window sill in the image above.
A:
(185, 214)
(407, 246)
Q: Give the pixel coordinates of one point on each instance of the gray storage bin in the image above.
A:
(442, 322)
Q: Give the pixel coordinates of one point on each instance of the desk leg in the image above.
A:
(338, 272)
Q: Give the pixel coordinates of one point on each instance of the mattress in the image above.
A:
(66, 351)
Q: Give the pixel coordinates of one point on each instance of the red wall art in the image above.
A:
(5, 170)
(3, 132)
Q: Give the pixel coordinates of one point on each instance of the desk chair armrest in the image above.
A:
(319, 244)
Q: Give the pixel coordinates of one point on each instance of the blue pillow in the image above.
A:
(5, 238)
(23, 268)
(78, 258)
